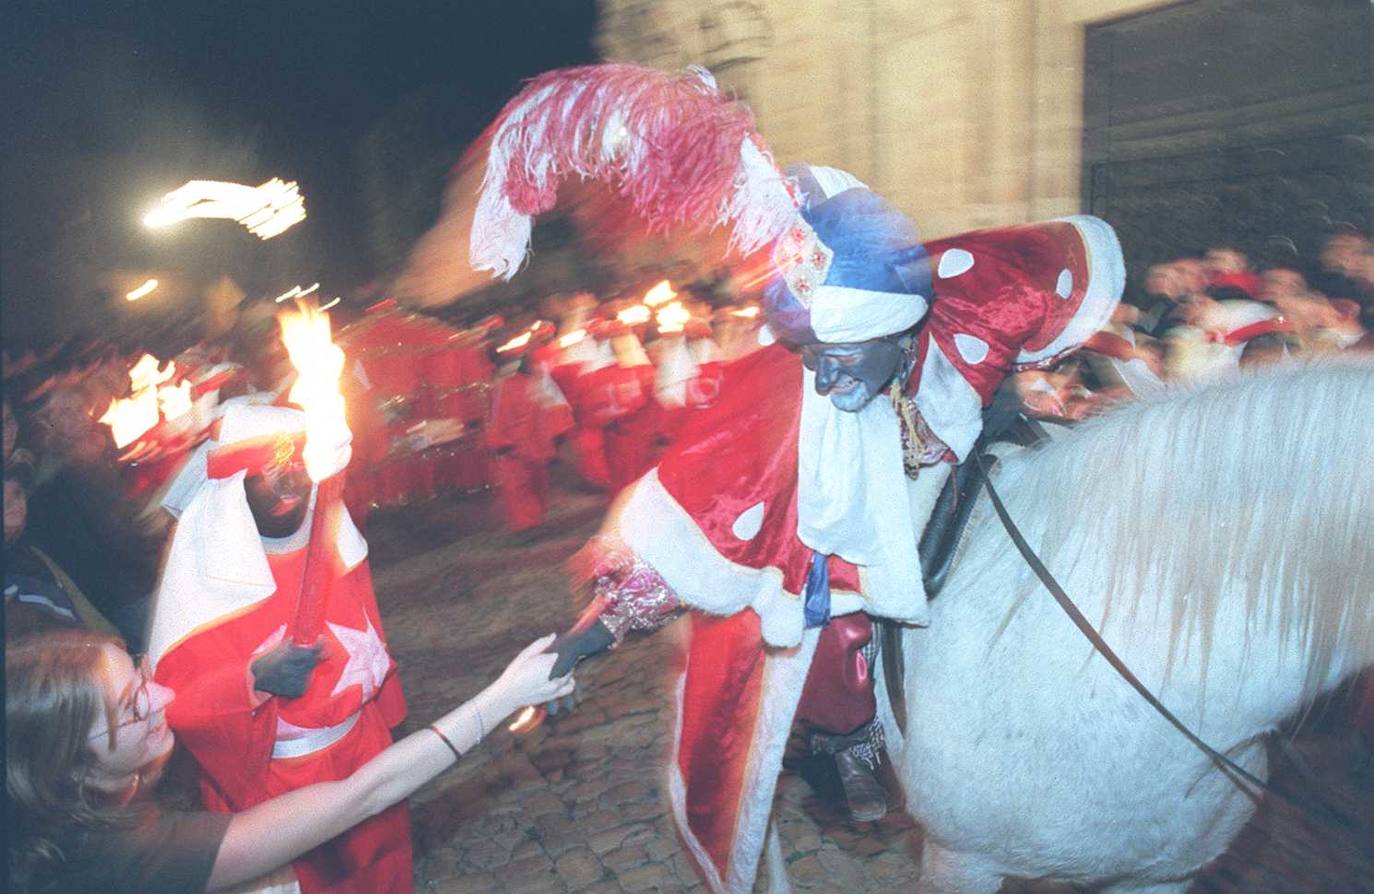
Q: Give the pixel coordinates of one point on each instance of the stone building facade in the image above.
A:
(964, 114)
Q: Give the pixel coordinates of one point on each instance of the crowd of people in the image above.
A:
(1209, 313)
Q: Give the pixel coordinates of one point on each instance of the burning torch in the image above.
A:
(319, 363)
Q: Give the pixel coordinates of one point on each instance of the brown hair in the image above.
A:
(54, 691)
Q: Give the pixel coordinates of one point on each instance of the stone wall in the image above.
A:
(964, 114)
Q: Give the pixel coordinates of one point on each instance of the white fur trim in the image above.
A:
(773, 859)
(843, 314)
(1106, 280)
(784, 675)
(972, 348)
(766, 336)
(750, 521)
(948, 402)
(652, 523)
(954, 262)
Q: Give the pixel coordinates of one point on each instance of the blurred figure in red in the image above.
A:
(261, 714)
(612, 399)
(528, 415)
(632, 436)
(575, 351)
(688, 373)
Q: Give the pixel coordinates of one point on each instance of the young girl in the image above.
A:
(86, 733)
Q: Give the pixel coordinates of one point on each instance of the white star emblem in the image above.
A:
(367, 659)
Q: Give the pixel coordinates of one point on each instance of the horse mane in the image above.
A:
(1258, 487)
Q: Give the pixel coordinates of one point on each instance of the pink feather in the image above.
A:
(671, 144)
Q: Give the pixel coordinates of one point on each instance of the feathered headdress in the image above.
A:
(680, 150)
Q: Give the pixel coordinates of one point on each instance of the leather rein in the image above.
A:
(1250, 785)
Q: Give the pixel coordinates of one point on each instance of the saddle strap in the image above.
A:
(1249, 784)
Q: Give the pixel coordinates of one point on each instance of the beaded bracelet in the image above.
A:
(457, 755)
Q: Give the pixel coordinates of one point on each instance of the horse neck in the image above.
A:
(1220, 530)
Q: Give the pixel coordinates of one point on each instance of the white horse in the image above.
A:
(1220, 539)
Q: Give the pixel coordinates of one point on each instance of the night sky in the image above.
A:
(109, 104)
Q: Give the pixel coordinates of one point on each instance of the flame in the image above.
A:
(634, 315)
(174, 400)
(572, 338)
(518, 342)
(671, 318)
(129, 418)
(145, 373)
(659, 294)
(748, 313)
(319, 363)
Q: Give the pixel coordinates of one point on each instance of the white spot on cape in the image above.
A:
(748, 523)
(954, 262)
(766, 336)
(1064, 287)
(972, 348)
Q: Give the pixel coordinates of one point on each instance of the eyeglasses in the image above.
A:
(139, 705)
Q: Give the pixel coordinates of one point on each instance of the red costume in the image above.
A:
(224, 601)
(688, 376)
(615, 401)
(528, 414)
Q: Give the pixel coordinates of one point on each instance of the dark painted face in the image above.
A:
(278, 497)
(852, 374)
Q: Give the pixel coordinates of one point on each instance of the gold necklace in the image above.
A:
(913, 445)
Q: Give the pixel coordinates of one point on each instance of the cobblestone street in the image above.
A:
(580, 806)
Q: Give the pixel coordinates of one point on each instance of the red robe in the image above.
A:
(521, 433)
(588, 440)
(717, 520)
(617, 401)
(231, 735)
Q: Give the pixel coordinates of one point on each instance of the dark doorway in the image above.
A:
(1244, 122)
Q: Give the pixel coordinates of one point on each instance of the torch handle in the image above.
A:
(324, 526)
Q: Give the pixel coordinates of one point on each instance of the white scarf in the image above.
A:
(852, 498)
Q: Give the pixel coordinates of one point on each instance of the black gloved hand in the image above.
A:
(285, 670)
(576, 644)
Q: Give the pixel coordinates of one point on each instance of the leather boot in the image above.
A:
(865, 796)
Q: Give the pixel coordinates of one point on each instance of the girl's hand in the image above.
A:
(525, 681)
